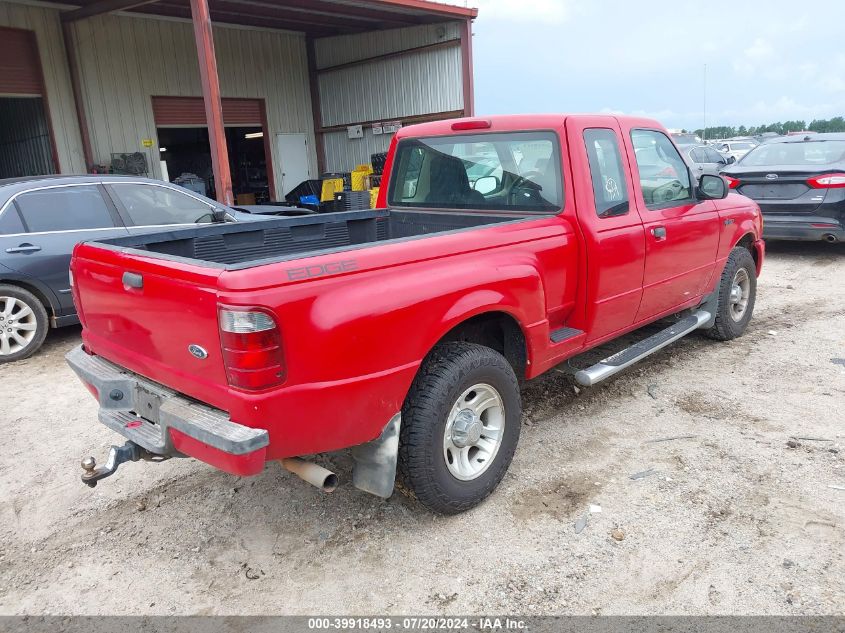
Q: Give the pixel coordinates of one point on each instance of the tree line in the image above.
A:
(836, 124)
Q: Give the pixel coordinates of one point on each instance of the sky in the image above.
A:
(766, 61)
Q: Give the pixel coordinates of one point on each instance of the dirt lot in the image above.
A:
(736, 519)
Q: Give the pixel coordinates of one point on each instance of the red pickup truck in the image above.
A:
(500, 248)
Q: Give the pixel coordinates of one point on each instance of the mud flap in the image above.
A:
(710, 304)
(375, 462)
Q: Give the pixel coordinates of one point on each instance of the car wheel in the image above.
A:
(460, 427)
(23, 323)
(737, 292)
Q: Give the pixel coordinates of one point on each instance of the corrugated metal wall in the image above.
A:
(124, 61)
(45, 23)
(24, 138)
(423, 82)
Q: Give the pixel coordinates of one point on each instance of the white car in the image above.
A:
(737, 149)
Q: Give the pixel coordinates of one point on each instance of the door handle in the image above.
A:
(132, 280)
(659, 232)
(24, 248)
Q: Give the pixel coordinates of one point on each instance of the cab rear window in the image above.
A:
(517, 171)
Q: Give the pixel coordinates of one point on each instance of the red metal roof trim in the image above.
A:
(429, 7)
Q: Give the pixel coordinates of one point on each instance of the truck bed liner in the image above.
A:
(245, 244)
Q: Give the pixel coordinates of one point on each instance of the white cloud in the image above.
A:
(753, 56)
(544, 11)
(759, 51)
(780, 109)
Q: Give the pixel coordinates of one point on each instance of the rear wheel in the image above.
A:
(23, 323)
(460, 427)
(737, 292)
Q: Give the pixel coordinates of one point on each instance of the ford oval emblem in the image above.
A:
(197, 351)
(771, 176)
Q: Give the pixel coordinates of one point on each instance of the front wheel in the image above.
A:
(460, 427)
(737, 292)
(23, 323)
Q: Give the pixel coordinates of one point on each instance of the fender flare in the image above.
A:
(38, 288)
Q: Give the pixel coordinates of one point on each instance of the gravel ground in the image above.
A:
(737, 519)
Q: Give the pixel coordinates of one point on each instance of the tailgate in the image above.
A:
(152, 316)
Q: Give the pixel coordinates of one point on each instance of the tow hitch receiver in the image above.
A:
(129, 452)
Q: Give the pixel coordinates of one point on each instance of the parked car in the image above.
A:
(735, 149)
(704, 159)
(799, 183)
(42, 218)
(403, 332)
(686, 138)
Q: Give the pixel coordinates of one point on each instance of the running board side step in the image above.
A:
(613, 364)
(564, 334)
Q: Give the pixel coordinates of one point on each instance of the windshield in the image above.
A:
(803, 153)
(517, 171)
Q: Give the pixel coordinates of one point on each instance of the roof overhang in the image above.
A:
(315, 18)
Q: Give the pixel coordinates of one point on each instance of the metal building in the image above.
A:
(292, 88)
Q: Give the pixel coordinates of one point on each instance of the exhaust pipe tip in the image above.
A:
(830, 238)
(311, 473)
(329, 483)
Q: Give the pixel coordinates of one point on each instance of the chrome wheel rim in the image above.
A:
(17, 325)
(740, 292)
(474, 431)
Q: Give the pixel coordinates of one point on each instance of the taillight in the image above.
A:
(827, 181)
(733, 183)
(252, 349)
(74, 296)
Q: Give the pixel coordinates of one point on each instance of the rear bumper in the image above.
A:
(802, 228)
(179, 425)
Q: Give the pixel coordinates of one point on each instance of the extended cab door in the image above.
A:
(611, 225)
(681, 232)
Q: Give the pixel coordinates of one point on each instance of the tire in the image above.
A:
(456, 378)
(23, 323)
(729, 322)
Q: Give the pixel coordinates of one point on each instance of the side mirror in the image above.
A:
(731, 160)
(219, 215)
(486, 184)
(712, 187)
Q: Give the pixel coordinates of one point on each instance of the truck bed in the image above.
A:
(244, 244)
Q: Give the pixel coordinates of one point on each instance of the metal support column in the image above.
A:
(211, 97)
(466, 59)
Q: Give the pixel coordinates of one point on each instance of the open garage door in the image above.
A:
(183, 141)
(26, 142)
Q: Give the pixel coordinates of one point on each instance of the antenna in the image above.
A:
(704, 132)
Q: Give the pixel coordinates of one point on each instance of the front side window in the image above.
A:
(517, 171)
(664, 177)
(698, 155)
(150, 205)
(713, 156)
(610, 189)
(75, 208)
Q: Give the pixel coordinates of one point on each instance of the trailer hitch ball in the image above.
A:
(129, 452)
